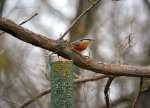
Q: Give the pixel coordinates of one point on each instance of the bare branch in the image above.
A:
(64, 49)
(106, 91)
(28, 19)
(10, 101)
(76, 81)
(79, 17)
(139, 93)
(29, 101)
(125, 45)
(91, 1)
(24, 21)
(131, 36)
(94, 78)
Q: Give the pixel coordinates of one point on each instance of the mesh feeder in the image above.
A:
(61, 76)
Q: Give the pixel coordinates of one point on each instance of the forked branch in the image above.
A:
(64, 49)
(79, 17)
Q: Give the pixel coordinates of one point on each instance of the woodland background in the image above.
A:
(120, 28)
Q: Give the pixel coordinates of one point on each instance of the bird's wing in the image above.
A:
(77, 42)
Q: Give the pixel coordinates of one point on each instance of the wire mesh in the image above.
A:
(62, 84)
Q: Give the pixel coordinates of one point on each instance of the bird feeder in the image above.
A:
(61, 76)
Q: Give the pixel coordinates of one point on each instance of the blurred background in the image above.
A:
(122, 33)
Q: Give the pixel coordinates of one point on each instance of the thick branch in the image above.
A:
(65, 50)
(24, 21)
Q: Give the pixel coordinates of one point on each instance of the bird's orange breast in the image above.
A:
(81, 47)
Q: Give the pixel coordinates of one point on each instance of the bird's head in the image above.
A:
(85, 40)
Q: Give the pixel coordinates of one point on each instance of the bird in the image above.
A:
(81, 44)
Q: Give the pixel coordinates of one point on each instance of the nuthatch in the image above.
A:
(81, 44)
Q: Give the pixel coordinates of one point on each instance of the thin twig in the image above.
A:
(46, 75)
(24, 21)
(10, 101)
(106, 90)
(29, 101)
(139, 93)
(91, 1)
(94, 78)
(79, 17)
(29, 19)
(131, 36)
(125, 45)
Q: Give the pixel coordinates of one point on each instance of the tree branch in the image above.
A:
(29, 101)
(64, 49)
(10, 101)
(106, 92)
(76, 81)
(79, 17)
(93, 78)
